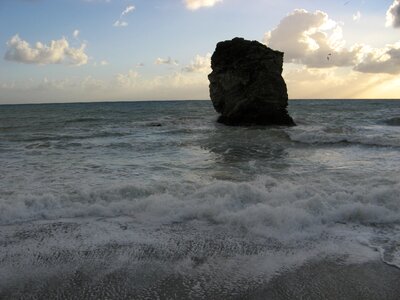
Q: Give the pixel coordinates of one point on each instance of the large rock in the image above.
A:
(246, 85)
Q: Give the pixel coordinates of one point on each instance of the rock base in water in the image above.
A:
(246, 85)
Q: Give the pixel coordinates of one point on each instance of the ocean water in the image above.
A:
(155, 200)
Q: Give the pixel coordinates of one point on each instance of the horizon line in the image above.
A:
(183, 100)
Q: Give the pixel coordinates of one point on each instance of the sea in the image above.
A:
(156, 200)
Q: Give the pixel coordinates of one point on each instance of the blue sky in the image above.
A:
(95, 50)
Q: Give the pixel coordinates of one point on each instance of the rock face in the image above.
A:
(246, 85)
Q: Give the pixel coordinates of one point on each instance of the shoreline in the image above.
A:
(322, 279)
(334, 280)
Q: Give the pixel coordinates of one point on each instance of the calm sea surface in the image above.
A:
(155, 200)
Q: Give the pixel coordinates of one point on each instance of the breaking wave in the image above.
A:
(264, 207)
(162, 196)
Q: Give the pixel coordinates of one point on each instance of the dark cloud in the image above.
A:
(393, 15)
(381, 61)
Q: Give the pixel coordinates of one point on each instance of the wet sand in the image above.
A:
(316, 280)
(329, 280)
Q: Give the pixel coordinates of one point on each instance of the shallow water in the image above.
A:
(160, 198)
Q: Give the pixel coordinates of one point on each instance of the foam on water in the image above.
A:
(159, 191)
(262, 206)
(253, 229)
(386, 242)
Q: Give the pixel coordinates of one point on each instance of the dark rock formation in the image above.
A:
(246, 85)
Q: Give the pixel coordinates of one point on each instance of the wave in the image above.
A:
(387, 244)
(51, 138)
(264, 207)
(85, 120)
(252, 230)
(391, 256)
(368, 135)
(393, 121)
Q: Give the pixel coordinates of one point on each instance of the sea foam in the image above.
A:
(152, 192)
(266, 206)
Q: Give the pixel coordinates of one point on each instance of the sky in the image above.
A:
(117, 50)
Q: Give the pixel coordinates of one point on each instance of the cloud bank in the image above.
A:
(130, 85)
(315, 41)
(189, 82)
(56, 52)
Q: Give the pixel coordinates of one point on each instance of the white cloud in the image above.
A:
(315, 52)
(57, 52)
(357, 16)
(393, 14)
(200, 64)
(311, 39)
(76, 33)
(128, 10)
(315, 41)
(196, 4)
(120, 22)
(166, 61)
